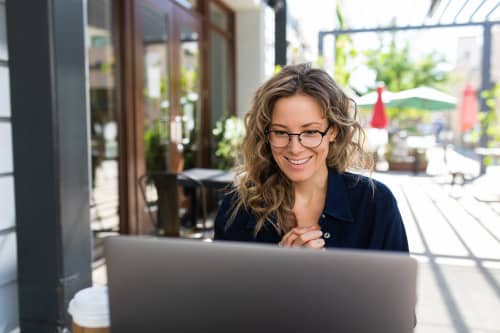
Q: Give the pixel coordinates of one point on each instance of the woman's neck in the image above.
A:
(313, 187)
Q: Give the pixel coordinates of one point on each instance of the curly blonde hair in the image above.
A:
(262, 188)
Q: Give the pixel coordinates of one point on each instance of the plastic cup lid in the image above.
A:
(89, 307)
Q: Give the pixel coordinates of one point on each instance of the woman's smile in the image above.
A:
(298, 162)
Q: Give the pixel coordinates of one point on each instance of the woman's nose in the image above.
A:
(294, 143)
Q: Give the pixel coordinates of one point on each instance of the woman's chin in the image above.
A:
(298, 176)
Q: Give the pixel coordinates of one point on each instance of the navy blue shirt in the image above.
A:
(357, 215)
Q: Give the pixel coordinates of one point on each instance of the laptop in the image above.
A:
(183, 286)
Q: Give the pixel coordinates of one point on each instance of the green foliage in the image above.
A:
(188, 154)
(489, 121)
(155, 139)
(320, 62)
(106, 67)
(344, 50)
(398, 71)
(228, 133)
(408, 119)
(394, 66)
(189, 80)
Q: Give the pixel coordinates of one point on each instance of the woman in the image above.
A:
(293, 187)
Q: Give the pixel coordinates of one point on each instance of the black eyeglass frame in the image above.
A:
(323, 133)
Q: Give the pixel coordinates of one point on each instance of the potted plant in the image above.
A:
(155, 137)
(228, 133)
(401, 157)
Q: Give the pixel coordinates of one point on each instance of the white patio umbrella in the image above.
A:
(424, 98)
(368, 100)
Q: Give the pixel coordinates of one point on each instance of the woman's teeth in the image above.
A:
(298, 162)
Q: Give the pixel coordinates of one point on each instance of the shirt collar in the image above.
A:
(337, 197)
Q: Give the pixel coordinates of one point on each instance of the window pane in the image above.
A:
(220, 78)
(7, 207)
(103, 118)
(188, 3)
(190, 92)
(6, 163)
(3, 33)
(156, 87)
(4, 92)
(219, 17)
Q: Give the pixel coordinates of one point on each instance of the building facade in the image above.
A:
(84, 87)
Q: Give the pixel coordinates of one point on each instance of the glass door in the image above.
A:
(188, 94)
(170, 43)
(169, 81)
(154, 38)
(103, 121)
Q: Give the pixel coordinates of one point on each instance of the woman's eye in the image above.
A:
(280, 133)
(310, 132)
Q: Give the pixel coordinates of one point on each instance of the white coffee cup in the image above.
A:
(90, 310)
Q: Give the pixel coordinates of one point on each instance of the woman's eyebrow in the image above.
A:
(279, 125)
(302, 126)
(311, 124)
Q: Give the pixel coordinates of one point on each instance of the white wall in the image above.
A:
(251, 55)
(8, 248)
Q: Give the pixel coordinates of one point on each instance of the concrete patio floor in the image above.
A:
(456, 240)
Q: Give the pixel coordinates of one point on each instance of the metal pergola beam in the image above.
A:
(280, 23)
(477, 9)
(460, 11)
(486, 84)
(321, 34)
(444, 10)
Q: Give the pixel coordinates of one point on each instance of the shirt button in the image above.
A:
(323, 216)
(327, 235)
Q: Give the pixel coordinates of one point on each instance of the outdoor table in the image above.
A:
(419, 144)
(484, 191)
(201, 178)
(220, 181)
(484, 152)
(201, 174)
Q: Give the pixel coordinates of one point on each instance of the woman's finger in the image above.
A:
(291, 237)
(317, 244)
(288, 238)
(306, 237)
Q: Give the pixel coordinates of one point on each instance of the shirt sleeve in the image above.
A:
(222, 217)
(395, 233)
(393, 236)
(240, 229)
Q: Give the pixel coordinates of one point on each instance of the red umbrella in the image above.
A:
(379, 117)
(468, 108)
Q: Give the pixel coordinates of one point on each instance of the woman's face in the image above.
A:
(296, 114)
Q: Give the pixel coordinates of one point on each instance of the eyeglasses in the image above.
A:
(308, 139)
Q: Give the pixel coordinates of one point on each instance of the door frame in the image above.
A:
(129, 99)
(129, 75)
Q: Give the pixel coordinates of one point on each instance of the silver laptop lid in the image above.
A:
(173, 285)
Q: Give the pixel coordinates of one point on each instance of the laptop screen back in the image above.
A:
(172, 285)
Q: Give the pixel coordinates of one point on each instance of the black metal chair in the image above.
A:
(168, 211)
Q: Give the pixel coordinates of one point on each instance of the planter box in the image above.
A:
(407, 166)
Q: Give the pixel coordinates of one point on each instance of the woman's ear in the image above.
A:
(333, 133)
